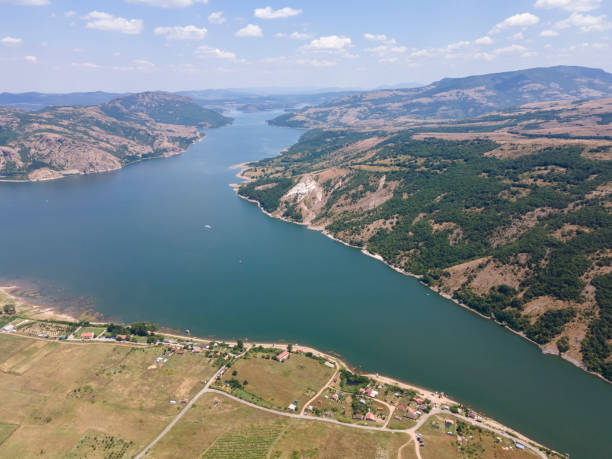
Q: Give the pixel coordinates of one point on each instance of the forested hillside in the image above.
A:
(504, 213)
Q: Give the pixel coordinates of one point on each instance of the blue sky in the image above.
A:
(132, 45)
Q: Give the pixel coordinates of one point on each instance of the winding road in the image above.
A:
(411, 432)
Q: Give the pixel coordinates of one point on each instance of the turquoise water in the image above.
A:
(134, 243)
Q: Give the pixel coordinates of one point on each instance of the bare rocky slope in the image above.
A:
(65, 140)
(509, 213)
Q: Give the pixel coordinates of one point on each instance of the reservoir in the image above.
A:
(168, 241)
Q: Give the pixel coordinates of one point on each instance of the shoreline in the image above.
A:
(65, 175)
(54, 314)
(244, 167)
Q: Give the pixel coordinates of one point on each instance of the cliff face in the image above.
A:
(509, 214)
(59, 141)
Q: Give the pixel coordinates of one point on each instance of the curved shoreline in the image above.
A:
(245, 166)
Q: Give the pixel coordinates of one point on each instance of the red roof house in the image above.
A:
(88, 335)
(282, 356)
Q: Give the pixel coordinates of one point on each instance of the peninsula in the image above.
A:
(57, 141)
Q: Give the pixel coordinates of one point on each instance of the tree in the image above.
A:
(9, 308)
(234, 373)
(240, 345)
(245, 382)
(563, 344)
(290, 347)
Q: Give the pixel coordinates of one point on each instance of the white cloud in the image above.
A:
(316, 62)
(216, 17)
(518, 36)
(512, 49)
(207, 51)
(250, 30)
(379, 37)
(103, 21)
(484, 56)
(569, 5)
(282, 13)
(548, 33)
(31, 59)
(518, 20)
(69, 14)
(188, 32)
(143, 65)
(85, 65)
(26, 2)
(331, 42)
(586, 22)
(486, 40)
(11, 41)
(457, 45)
(168, 3)
(385, 50)
(294, 35)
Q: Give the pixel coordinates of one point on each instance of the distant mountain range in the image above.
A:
(217, 99)
(455, 98)
(64, 140)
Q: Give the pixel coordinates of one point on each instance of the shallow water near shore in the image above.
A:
(135, 243)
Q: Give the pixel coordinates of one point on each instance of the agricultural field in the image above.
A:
(279, 383)
(464, 441)
(218, 427)
(103, 390)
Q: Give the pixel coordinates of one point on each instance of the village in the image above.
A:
(284, 380)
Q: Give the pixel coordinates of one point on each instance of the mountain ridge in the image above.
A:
(455, 98)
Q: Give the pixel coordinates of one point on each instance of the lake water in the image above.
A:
(134, 242)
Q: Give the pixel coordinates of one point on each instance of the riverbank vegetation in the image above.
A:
(517, 229)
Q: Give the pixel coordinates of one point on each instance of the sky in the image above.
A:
(136, 45)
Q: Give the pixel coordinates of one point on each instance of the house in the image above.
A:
(329, 364)
(180, 352)
(419, 401)
(88, 335)
(519, 446)
(410, 415)
(361, 390)
(472, 415)
(449, 422)
(292, 407)
(121, 337)
(335, 397)
(282, 356)
(373, 393)
(401, 408)
(370, 417)
(358, 416)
